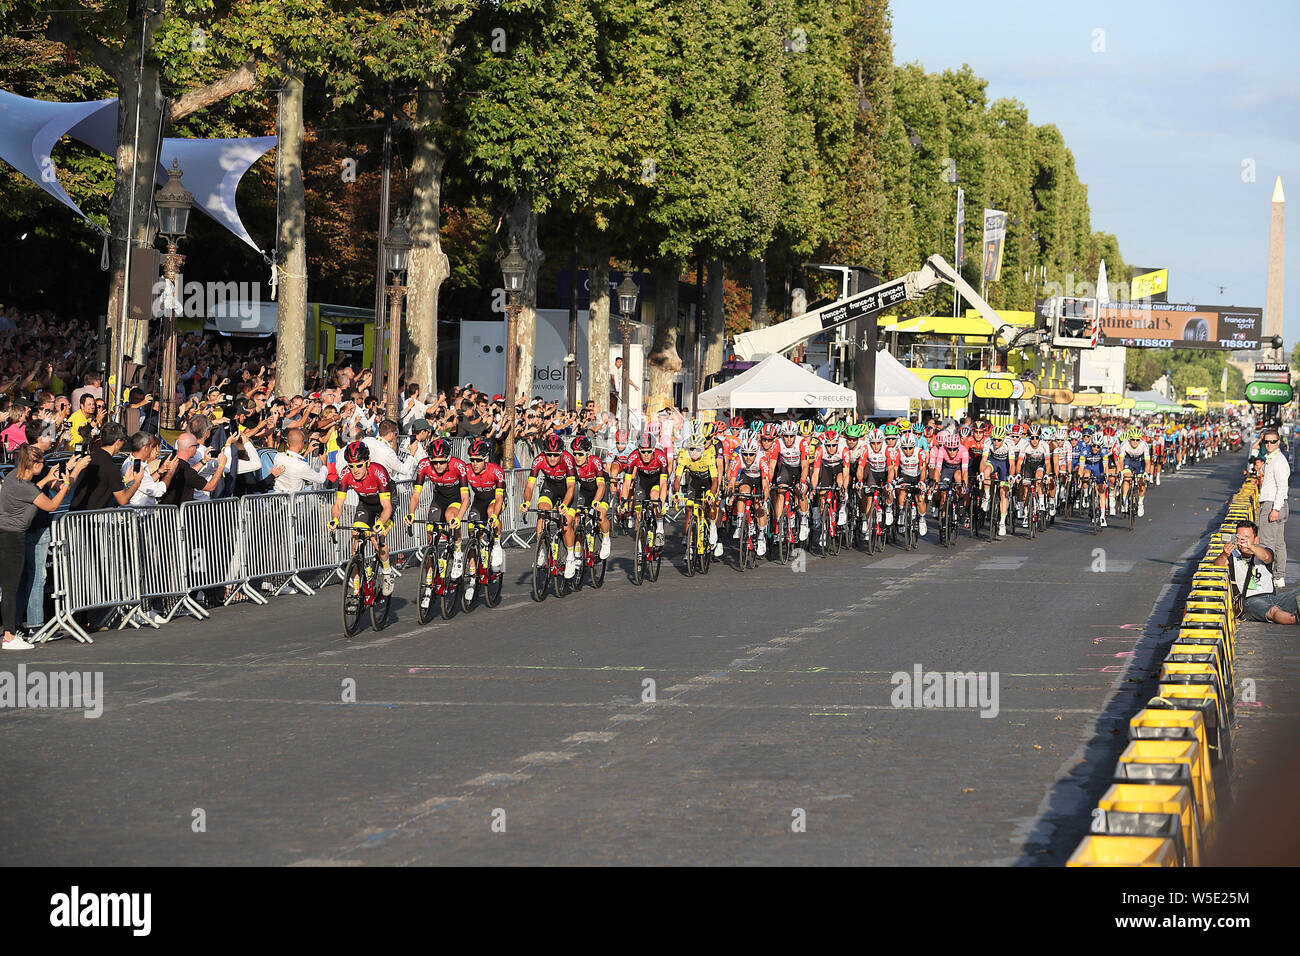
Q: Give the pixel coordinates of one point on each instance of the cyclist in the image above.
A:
(1156, 439)
(828, 470)
(1033, 462)
(450, 478)
(873, 471)
(892, 452)
(909, 476)
(1136, 464)
(751, 474)
(646, 477)
(1094, 470)
(998, 459)
(923, 441)
(556, 470)
(589, 474)
(374, 488)
(701, 473)
(1062, 467)
(949, 462)
(791, 468)
(487, 489)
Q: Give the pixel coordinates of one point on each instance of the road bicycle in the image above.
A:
(586, 545)
(828, 508)
(648, 550)
(436, 588)
(362, 587)
(548, 568)
(784, 528)
(947, 514)
(699, 553)
(747, 543)
(480, 540)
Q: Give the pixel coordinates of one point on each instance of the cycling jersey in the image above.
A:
(1094, 462)
(879, 462)
(1136, 456)
(792, 456)
(943, 458)
(1034, 457)
(560, 471)
(910, 464)
(831, 453)
(447, 484)
(371, 487)
(706, 466)
(657, 465)
(751, 474)
(484, 485)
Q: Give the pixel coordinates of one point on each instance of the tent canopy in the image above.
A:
(896, 385)
(776, 382)
(1156, 397)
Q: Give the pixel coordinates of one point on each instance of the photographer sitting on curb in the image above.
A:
(1250, 567)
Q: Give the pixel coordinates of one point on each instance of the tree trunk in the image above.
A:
(598, 318)
(663, 359)
(715, 329)
(759, 318)
(521, 223)
(291, 334)
(142, 167)
(429, 266)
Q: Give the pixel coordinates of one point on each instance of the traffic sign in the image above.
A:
(1269, 393)
(949, 386)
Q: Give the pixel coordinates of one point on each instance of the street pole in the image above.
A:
(571, 371)
(171, 269)
(391, 393)
(626, 326)
(377, 359)
(512, 360)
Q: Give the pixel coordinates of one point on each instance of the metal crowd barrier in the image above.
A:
(214, 540)
(164, 570)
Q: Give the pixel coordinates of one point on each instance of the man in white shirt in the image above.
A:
(298, 471)
(1273, 506)
(383, 449)
(143, 454)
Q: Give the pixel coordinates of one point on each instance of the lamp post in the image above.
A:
(397, 247)
(173, 202)
(627, 296)
(513, 267)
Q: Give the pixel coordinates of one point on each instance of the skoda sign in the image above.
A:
(1269, 393)
(949, 386)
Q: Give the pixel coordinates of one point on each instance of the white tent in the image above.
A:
(895, 385)
(776, 382)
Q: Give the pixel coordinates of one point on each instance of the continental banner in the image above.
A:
(1164, 325)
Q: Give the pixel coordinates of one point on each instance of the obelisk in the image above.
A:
(1276, 257)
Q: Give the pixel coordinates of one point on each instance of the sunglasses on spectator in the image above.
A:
(1271, 441)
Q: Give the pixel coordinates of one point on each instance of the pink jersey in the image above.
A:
(942, 456)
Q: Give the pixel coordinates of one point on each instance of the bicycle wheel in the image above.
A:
(560, 583)
(783, 537)
(542, 566)
(450, 586)
(691, 543)
(835, 533)
(706, 550)
(468, 595)
(743, 542)
(382, 603)
(994, 512)
(657, 554)
(596, 570)
(580, 546)
(913, 527)
(869, 518)
(354, 585)
(638, 552)
(495, 579)
(1132, 508)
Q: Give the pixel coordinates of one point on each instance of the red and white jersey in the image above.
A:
(754, 473)
(792, 456)
(1064, 456)
(831, 450)
(1034, 453)
(911, 462)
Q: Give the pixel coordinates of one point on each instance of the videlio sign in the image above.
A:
(1269, 393)
(949, 386)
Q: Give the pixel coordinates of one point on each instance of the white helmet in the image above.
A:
(789, 429)
(908, 440)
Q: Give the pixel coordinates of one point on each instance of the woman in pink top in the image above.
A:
(15, 433)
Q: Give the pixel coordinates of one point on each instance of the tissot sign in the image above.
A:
(1164, 325)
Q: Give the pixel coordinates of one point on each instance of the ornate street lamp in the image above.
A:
(627, 296)
(513, 268)
(397, 249)
(173, 203)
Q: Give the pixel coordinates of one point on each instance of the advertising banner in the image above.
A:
(1164, 325)
(994, 388)
(1150, 284)
(1269, 393)
(995, 235)
(949, 386)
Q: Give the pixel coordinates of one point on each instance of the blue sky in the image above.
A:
(1159, 123)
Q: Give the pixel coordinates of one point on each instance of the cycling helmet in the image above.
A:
(908, 440)
(768, 430)
(579, 446)
(749, 447)
(891, 431)
(647, 442)
(903, 423)
(620, 437)
(553, 445)
(439, 449)
(950, 441)
(918, 429)
(1108, 441)
(1016, 430)
(1109, 431)
(965, 431)
(356, 452)
(694, 447)
(479, 448)
(1049, 433)
(876, 437)
(1035, 431)
(999, 432)
(737, 421)
(857, 431)
(789, 429)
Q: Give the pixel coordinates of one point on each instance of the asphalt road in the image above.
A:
(524, 734)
